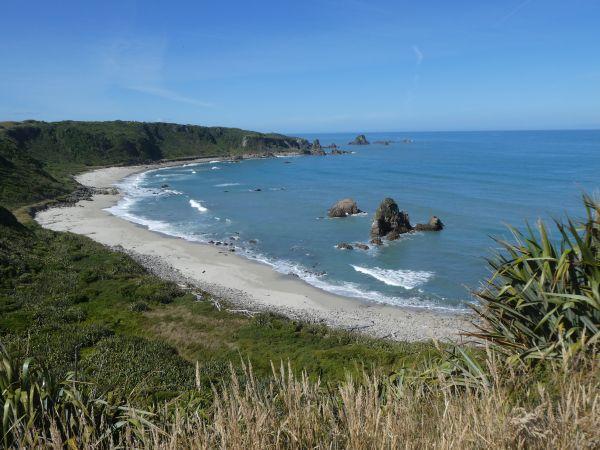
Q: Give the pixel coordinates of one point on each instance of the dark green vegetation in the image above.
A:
(37, 158)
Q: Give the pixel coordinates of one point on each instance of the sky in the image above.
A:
(305, 65)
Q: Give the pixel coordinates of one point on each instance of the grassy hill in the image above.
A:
(37, 159)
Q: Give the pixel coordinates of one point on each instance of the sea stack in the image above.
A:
(316, 148)
(343, 208)
(361, 139)
(389, 221)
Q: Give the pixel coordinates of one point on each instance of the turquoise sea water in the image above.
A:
(476, 182)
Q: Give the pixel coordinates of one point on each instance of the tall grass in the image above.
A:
(543, 300)
(374, 412)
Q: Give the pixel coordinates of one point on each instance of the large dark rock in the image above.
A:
(344, 246)
(361, 139)
(389, 221)
(343, 208)
(434, 224)
(316, 148)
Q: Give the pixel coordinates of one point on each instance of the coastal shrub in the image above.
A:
(146, 368)
(543, 299)
(157, 291)
(139, 306)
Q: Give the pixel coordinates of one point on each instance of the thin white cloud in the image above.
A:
(514, 11)
(418, 54)
(169, 95)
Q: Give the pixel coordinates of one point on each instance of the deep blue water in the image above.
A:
(476, 182)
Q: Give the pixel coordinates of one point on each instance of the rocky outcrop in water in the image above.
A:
(316, 149)
(337, 151)
(434, 224)
(361, 139)
(343, 208)
(389, 221)
(344, 246)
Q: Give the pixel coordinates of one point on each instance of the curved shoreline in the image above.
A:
(241, 281)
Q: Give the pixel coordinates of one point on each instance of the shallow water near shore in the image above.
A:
(275, 210)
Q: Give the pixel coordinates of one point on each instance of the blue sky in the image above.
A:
(305, 66)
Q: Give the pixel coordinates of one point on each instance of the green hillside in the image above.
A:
(37, 158)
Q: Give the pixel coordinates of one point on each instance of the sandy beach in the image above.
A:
(244, 283)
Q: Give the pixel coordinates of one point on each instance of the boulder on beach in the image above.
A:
(344, 246)
(343, 208)
(434, 224)
(389, 221)
(361, 139)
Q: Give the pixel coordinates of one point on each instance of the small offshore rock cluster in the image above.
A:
(389, 222)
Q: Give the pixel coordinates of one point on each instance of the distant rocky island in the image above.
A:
(361, 139)
(318, 150)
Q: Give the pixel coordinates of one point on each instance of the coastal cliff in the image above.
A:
(43, 155)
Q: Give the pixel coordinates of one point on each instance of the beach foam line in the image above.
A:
(339, 287)
(407, 279)
(197, 205)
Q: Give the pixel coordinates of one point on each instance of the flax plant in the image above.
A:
(543, 299)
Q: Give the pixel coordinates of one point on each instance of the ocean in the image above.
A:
(275, 210)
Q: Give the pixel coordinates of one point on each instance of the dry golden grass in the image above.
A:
(190, 332)
(289, 412)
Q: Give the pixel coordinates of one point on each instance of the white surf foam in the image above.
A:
(408, 279)
(342, 288)
(197, 205)
(227, 184)
(215, 168)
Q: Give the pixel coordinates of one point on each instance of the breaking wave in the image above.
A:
(197, 205)
(408, 279)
